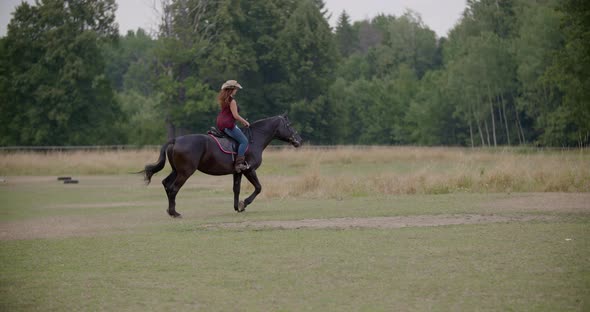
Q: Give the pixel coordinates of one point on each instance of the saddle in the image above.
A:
(226, 143)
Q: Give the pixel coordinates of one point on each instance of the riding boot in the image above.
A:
(241, 164)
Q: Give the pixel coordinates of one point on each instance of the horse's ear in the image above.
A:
(284, 114)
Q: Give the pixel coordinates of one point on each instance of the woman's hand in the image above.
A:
(246, 123)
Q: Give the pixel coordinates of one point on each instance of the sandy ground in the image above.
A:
(530, 207)
(543, 202)
(382, 222)
(69, 226)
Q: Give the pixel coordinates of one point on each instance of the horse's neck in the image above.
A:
(263, 131)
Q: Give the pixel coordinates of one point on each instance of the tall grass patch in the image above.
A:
(350, 171)
(75, 162)
(354, 171)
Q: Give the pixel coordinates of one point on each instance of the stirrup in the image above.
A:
(241, 167)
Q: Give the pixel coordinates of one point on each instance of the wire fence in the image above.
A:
(76, 148)
(140, 147)
(89, 148)
(102, 148)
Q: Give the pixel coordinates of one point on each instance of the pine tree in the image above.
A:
(571, 72)
(346, 37)
(308, 55)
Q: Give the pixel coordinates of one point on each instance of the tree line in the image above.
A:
(511, 72)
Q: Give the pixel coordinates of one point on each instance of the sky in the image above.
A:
(438, 15)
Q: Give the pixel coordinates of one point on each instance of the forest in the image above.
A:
(510, 72)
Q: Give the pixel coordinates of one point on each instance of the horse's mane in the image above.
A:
(265, 120)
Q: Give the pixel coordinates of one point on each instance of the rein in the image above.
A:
(250, 136)
(254, 128)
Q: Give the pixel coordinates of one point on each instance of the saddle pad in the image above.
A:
(225, 145)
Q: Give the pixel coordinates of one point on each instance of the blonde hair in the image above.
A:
(224, 97)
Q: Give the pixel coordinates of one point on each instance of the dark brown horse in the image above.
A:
(189, 153)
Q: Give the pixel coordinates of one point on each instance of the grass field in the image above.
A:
(333, 230)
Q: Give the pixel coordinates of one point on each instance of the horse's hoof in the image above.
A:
(174, 214)
(241, 206)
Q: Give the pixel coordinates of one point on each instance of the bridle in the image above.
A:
(284, 123)
(287, 125)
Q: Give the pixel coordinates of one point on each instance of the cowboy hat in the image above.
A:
(231, 84)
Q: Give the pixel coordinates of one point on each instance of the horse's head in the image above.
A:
(286, 133)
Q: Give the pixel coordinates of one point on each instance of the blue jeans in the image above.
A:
(239, 136)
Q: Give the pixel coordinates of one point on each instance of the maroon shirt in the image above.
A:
(225, 119)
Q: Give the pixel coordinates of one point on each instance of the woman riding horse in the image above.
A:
(189, 153)
(226, 120)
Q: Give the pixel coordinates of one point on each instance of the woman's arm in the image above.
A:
(233, 106)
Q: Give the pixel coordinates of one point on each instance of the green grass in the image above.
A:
(494, 267)
(107, 244)
(208, 199)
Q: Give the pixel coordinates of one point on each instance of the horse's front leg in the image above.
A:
(237, 182)
(253, 178)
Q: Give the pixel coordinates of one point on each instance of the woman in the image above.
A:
(226, 120)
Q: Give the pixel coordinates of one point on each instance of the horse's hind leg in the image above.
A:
(184, 160)
(172, 190)
(167, 183)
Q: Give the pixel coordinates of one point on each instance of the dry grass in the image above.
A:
(415, 170)
(76, 162)
(350, 171)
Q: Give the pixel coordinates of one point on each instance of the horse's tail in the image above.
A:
(151, 169)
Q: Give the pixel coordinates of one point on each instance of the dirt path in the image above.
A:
(61, 227)
(541, 202)
(510, 208)
(76, 226)
(382, 222)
